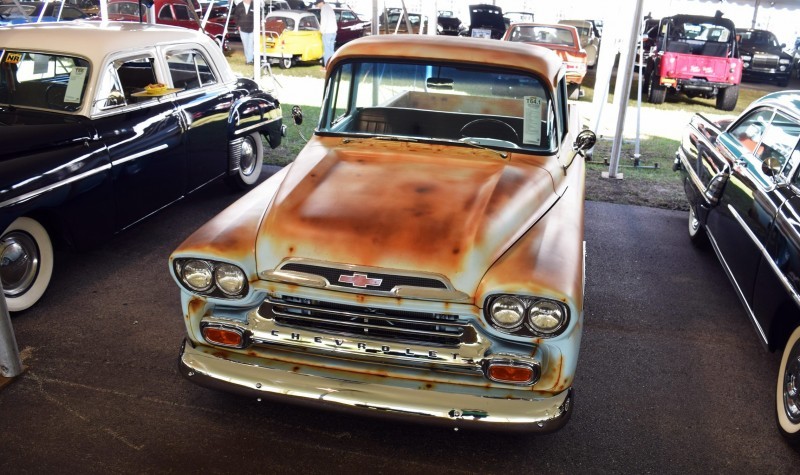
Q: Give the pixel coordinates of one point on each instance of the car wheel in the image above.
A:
(251, 158)
(26, 263)
(286, 63)
(656, 93)
(697, 233)
(783, 82)
(727, 98)
(787, 396)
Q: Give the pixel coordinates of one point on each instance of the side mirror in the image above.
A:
(584, 141)
(297, 115)
(715, 187)
(771, 166)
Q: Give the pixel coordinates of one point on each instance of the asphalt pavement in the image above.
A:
(671, 376)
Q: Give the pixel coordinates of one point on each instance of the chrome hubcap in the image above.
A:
(694, 224)
(791, 392)
(19, 263)
(247, 161)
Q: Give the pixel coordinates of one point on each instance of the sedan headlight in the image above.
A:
(785, 61)
(215, 279)
(527, 316)
(747, 57)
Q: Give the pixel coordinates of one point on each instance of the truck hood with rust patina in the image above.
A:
(434, 209)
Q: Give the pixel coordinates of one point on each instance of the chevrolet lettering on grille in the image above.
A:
(360, 280)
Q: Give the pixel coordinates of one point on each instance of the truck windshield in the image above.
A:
(442, 102)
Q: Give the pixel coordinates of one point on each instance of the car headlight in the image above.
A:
(785, 61)
(230, 279)
(215, 279)
(527, 316)
(747, 57)
(197, 275)
(507, 312)
(546, 316)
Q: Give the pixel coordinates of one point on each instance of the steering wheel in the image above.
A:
(490, 128)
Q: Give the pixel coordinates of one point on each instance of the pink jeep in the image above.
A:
(694, 54)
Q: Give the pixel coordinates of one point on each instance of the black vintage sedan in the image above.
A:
(742, 178)
(108, 125)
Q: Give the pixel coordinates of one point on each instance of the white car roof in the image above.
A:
(294, 14)
(95, 40)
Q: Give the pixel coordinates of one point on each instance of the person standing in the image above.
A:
(243, 15)
(328, 28)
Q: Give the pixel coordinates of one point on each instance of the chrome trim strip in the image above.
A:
(139, 154)
(693, 174)
(727, 269)
(33, 194)
(449, 294)
(255, 126)
(765, 253)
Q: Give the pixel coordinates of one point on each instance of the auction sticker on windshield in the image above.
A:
(532, 133)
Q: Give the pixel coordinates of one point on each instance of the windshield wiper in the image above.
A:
(473, 142)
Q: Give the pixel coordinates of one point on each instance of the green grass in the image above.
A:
(652, 183)
(236, 60)
(296, 136)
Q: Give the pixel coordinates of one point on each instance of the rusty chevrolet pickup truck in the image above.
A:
(423, 256)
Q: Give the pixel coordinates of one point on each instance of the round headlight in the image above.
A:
(546, 316)
(197, 275)
(507, 312)
(230, 279)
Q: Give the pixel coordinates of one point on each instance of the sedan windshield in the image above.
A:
(42, 80)
(455, 103)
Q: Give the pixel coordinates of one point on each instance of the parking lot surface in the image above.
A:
(671, 377)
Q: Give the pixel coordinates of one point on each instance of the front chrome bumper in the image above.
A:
(208, 367)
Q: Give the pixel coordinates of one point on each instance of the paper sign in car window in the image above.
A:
(532, 121)
(75, 85)
(41, 63)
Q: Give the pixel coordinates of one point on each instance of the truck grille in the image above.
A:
(388, 281)
(765, 61)
(368, 322)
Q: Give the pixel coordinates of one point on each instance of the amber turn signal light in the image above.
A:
(223, 336)
(510, 374)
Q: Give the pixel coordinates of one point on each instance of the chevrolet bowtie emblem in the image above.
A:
(360, 280)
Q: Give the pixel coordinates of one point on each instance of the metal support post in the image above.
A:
(10, 364)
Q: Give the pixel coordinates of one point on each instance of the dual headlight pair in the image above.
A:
(213, 278)
(527, 315)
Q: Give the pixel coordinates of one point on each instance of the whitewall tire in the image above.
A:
(787, 395)
(26, 263)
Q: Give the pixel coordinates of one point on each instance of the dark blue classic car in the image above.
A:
(108, 125)
(742, 178)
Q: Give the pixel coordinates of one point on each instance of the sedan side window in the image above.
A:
(750, 130)
(778, 141)
(189, 69)
(165, 13)
(134, 75)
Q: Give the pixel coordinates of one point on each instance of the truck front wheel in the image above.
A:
(727, 98)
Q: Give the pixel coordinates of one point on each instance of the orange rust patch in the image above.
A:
(221, 354)
(196, 305)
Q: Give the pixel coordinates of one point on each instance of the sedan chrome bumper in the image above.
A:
(211, 369)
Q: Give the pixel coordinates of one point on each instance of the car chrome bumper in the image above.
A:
(457, 410)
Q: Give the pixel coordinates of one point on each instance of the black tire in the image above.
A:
(787, 394)
(656, 93)
(697, 233)
(783, 82)
(251, 160)
(286, 63)
(27, 263)
(727, 98)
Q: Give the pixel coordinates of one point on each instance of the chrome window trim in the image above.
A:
(45, 189)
